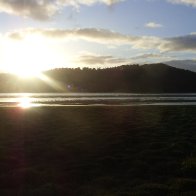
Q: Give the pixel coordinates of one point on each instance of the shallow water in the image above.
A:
(62, 99)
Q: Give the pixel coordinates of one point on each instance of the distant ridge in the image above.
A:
(150, 78)
(183, 64)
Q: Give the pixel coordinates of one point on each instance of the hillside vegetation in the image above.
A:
(151, 78)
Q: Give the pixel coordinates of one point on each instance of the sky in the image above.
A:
(37, 35)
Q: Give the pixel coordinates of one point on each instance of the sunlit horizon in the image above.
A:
(34, 39)
(68, 37)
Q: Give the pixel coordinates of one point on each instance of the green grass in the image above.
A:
(148, 150)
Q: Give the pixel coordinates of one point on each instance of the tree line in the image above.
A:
(150, 78)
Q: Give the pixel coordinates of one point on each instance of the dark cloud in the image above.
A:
(44, 9)
(37, 9)
(92, 59)
(182, 43)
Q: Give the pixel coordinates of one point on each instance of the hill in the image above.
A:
(183, 64)
(151, 78)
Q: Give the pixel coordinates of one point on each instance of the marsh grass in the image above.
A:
(148, 150)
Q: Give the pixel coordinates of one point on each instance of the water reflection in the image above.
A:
(28, 100)
(25, 102)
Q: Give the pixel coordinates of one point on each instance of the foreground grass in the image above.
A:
(148, 150)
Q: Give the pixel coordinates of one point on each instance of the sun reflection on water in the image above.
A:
(25, 102)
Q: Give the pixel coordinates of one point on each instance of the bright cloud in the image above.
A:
(100, 36)
(184, 2)
(103, 36)
(153, 25)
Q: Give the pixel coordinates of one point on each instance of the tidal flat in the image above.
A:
(98, 150)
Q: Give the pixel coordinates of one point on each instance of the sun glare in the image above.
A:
(27, 58)
(23, 73)
(25, 102)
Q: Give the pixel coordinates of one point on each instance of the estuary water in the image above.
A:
(90, 99)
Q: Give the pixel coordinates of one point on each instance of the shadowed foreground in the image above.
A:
(147, 150)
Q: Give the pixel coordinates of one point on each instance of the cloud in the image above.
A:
(88, 2)
(147, 56)
(153, 57)
(105, 37)
(91, 59)
(184, 2)
(44, 9)
(109, 60)
(153, 25)
(181, 43)
(96, 60)
(36, 9)
(100, 36)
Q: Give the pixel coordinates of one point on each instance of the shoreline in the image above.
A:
(33, 105)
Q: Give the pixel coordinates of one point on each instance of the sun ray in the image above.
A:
(51, 82)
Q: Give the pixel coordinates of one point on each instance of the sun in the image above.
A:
(29, 57)
(33, 55)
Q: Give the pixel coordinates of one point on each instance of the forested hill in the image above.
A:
(152, 78)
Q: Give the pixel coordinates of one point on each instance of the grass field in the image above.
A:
(101, 151)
